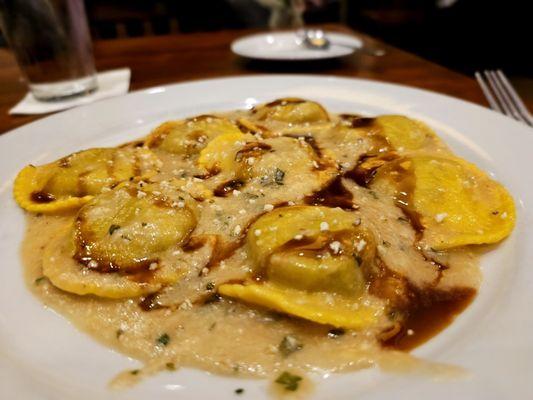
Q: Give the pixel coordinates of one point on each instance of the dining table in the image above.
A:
(486, 353)
(166, 59)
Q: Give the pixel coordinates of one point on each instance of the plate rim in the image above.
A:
(253, 76)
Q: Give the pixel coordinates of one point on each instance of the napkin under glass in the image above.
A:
(110, 83)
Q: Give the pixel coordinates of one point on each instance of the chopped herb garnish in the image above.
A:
(236, 368)
(289, 381)
(336, 332)
(170, 366)
(113, 228)
(239, 391)
(264, 180)
(210, 286)
(143, 224)
(373, 194)
(212, 326)
(279, 175)
(386, 244)
(403, 219)
(164, 339)
(119, 333)
(135, 371)
(495, 212)
(289, 345)
(40, 280)
(212, 298)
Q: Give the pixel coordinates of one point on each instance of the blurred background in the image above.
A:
(464, 35)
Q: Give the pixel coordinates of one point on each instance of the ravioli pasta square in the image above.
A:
(256, 241)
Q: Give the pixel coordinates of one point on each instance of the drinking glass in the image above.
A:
(52, 45)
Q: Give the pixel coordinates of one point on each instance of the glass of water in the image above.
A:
(52, 44)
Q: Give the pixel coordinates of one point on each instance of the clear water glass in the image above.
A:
(52, 45)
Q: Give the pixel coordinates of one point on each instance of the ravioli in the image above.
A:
(73, 180)
(320, 307)
(283, 161)
(404, 133)
(312, 261)
(458, 204)
(113, 250)
(220, 153)
(272, 163)
(190, 136)
(292, 110)
(60, 266)
(127, 227)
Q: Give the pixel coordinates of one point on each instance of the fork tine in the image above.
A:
(488, 95)
(503, 97)
(515, 97)
(498, 92)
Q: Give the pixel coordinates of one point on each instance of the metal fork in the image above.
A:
(502, 97)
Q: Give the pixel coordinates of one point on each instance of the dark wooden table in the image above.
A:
(157, 60)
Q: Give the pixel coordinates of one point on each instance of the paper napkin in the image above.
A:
(110, 83)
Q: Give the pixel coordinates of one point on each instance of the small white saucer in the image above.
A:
(286, 46)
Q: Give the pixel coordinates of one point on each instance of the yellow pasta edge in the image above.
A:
(268, 295)
(24, 185)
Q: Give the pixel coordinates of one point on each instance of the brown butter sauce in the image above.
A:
(150, 302)
(210, 173)
(429, 314)
(226, 188)
(419, 314)
(357, 121)
(252, 149)
(363, 174)
(333, 195)
(256, 129)
(42, 197)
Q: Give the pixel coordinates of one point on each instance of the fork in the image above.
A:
(502, 96)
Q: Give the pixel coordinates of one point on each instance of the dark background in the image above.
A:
(464, 35)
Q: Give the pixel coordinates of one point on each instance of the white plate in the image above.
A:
(43, 356)
(284, 46)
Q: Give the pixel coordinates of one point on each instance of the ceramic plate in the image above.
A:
(286, 46)
(43, 357)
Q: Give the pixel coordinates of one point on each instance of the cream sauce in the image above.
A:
(188, 324)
